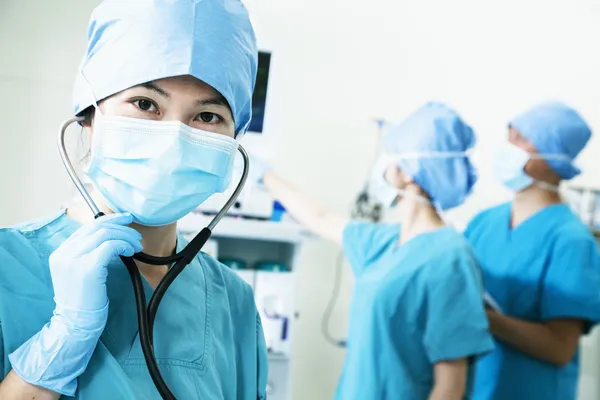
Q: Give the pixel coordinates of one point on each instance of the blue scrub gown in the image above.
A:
(545, 268)
(208, 336)
(413, 306)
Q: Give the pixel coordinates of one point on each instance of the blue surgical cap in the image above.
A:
(131, 42)
(555, 128)
(435, 128)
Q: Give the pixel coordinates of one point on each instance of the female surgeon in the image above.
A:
(540, 263)
(164, 89)
(417, 316)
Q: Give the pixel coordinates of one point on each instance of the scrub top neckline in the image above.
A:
(532, 217)
(417, 238)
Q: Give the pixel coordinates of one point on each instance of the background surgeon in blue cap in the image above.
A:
(417, 316)
(540, 263)
(165, 91)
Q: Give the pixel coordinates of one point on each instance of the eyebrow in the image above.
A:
(154, 88)
(217, 100)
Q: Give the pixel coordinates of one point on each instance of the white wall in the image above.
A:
(41, 44)
(337, 65)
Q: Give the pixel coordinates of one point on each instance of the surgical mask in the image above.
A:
(509, 167)
(158, 171)
(383, 191)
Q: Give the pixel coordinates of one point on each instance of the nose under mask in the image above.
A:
(158, 171)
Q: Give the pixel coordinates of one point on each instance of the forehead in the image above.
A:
(184, 84)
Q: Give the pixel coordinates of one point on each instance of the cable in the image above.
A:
(363, 209)
(337, 280)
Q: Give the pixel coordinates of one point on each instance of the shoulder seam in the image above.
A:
(29, 227)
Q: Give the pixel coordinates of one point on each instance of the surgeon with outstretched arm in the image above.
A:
(417, 318)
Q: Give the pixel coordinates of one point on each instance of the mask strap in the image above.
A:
(551, 157)
(546, 186)
(442, 214)
(432, 154)
(404, 194)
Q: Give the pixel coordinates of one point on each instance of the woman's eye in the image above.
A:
(209, 118)
(145, 105)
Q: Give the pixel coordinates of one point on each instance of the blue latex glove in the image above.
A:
(258, 169)
(60, 352)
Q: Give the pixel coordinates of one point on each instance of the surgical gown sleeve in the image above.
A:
(456, 325)
(363, 242)
(262, 367)
(571, 286)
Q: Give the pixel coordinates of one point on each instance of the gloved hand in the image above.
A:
(258, 169)
(78, 266)
(60, 352)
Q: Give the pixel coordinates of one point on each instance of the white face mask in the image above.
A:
(158, 171)
(387, 194)
(383, 191)
(509, 167)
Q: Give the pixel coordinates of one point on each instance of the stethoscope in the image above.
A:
(147, 314)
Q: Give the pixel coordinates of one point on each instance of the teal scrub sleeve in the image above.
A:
(263, 362)
(571, 286)
(456, 324)
(363, 242)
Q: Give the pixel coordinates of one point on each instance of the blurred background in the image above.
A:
(333, 67)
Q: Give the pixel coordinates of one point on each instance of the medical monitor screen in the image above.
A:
(259, 97)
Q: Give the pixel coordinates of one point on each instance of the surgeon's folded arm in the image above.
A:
(450, 379)
(316, 217)
(554, 341)
(15, 388)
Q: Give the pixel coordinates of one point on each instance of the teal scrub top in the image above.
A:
(545, 268)
(208, 336)
(412, 306)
